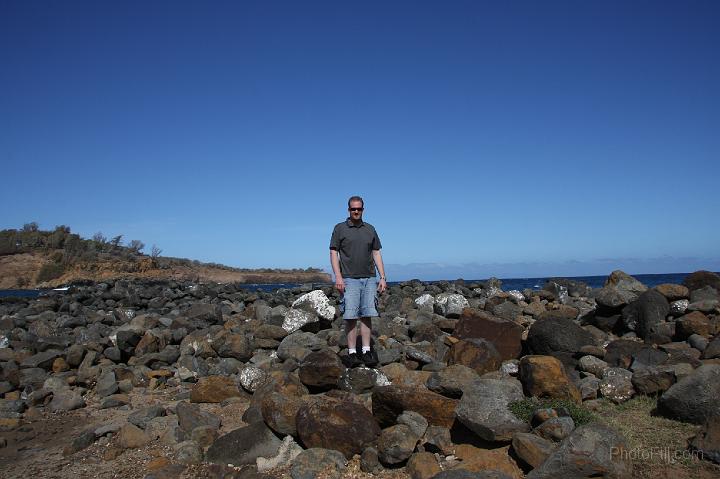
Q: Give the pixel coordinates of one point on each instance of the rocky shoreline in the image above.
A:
(225, 382)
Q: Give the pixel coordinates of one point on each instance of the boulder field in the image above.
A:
(452, 357)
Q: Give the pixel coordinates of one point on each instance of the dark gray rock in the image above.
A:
(647, 357)
(693, 398)
(706, 293)
(452, 380)
(212, 313)
(610, 300)
(191, 416)
(707, 441)
(619, 353)
(66, 400)
(106, 384)
(483, 409)
(713, 349)
(652, 380)
(34, 378)
(700, 279)
(244, 445)
(113, 354)
(557, 335)
(83, 441)
(416, 422)
(645, 315)
(396, 444)
(141, 417)
(358, 380)
(309, 463)
(299, 344)
(370, 462)
(42, 360)
(590, 451)
(114, 400)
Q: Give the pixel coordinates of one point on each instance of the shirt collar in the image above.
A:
(350, 223)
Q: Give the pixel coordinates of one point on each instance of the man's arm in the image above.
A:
(377, 257)
(335, 263)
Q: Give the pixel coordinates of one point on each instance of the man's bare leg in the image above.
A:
(365, 332)
(351, 331)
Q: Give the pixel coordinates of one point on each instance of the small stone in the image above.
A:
(556, 428)
(188, 452)
(132, 437)
(310, 463)
(422, 465)
(60, 365)
(369, 460)
(214, 389)
(396, 444)
(84, 440)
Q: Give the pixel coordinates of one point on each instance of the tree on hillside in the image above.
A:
(8, 242)
(57, 238)
(30, 227)
(116, 241)
(136, 246)
(155, 251)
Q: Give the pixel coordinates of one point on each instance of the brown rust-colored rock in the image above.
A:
(321, 369)
(331, 423)
(544, 376)
(693, 323)
(673, 292)
(422, 465)
(214, 389)
(132, 437)
(388, 402)
(475, 353)
(505, 335)
(148, 344)
(279, 412)
(531, 448)
(475, 459)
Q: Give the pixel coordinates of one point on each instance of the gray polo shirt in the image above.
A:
(355, 244)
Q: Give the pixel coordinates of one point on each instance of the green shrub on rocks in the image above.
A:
(525, 408)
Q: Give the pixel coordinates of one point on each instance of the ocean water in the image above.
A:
(508, 284)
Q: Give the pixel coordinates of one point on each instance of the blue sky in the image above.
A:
(487, 138)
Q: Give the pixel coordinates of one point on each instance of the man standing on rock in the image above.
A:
(354, 255)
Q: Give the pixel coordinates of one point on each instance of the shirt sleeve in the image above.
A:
(376, 241)
(335, 239)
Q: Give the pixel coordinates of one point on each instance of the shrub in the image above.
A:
(525, 408)
(49, 271)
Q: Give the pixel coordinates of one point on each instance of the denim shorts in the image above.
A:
(360, 298)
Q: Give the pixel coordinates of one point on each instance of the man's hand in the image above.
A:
(382, 286)
(340, 284)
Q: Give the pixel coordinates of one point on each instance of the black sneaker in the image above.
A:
(370, 358)
(352, 360)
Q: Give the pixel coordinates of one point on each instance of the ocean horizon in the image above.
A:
(508, 284)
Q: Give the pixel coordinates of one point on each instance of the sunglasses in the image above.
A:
(355, 209)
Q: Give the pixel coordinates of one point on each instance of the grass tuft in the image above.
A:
(525, 408)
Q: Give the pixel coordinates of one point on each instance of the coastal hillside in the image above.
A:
(33, 258)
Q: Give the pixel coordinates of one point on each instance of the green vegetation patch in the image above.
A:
(525, 408)
(49, 272)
